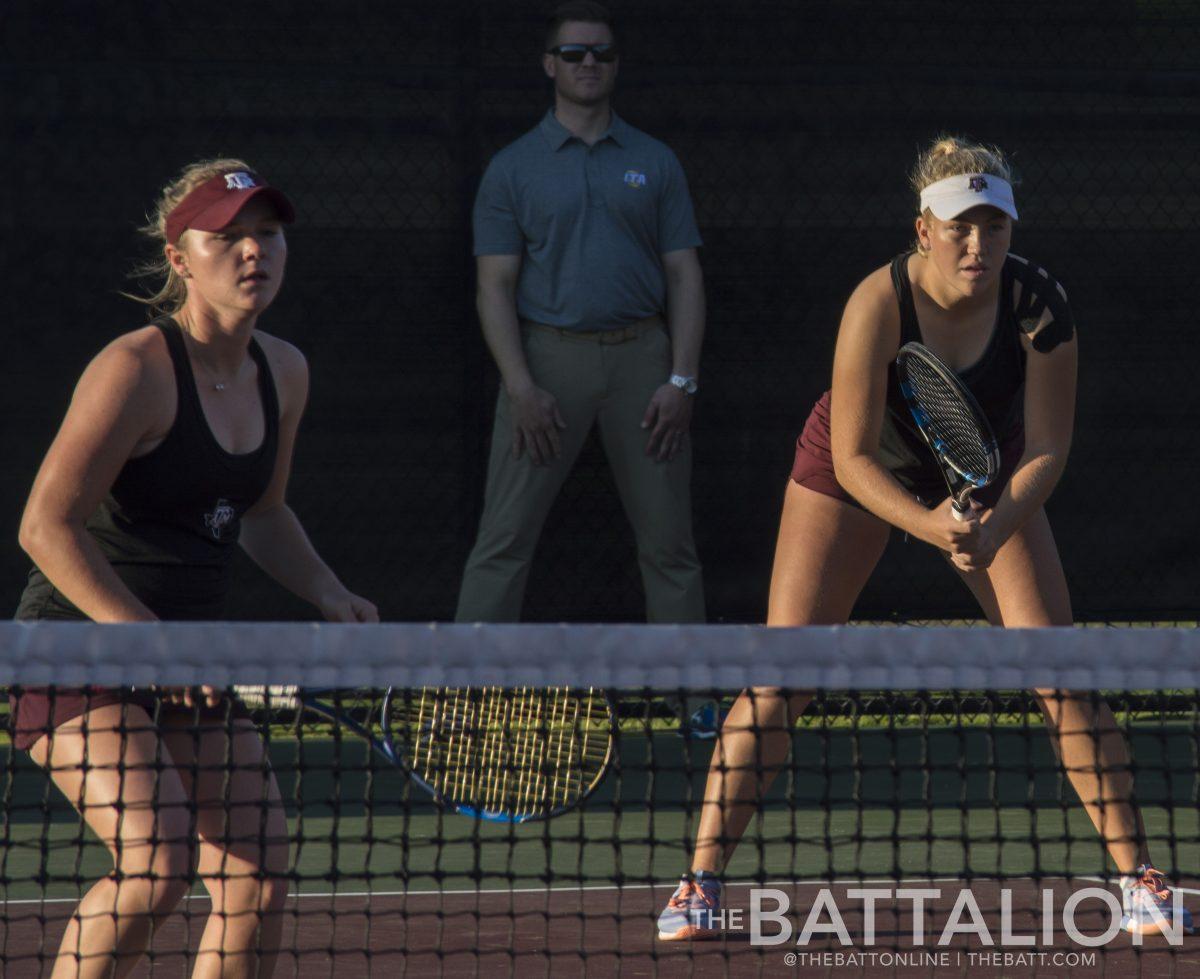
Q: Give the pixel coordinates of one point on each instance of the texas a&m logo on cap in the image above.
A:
(977, 184)
(239, 180)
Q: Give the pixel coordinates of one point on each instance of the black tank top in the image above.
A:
(170, 524)
(997, 378)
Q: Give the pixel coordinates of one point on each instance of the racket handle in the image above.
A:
(959, 511)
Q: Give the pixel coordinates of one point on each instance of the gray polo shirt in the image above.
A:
(591, 223)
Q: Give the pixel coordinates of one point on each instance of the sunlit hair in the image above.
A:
(170, 290)
(584, 11)
(948, 156)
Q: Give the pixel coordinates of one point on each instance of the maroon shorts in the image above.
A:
(36, 711)
(813, 466)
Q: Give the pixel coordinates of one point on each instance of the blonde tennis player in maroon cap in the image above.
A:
(174, 452)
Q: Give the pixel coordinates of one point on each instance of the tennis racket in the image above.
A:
(502, 754)
(951, 422)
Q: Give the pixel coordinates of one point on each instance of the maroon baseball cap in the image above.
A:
(214, 203)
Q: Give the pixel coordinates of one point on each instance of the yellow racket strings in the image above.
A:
(520, 751)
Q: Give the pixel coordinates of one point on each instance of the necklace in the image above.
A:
(215, 381)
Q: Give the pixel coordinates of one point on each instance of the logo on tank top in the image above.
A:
(977, 184)
(239, 181)
(221, 517)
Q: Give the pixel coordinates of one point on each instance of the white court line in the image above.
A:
(496, 892)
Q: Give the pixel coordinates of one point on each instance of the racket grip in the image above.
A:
(959, 511)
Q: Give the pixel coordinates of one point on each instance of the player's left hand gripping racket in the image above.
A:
(951, 422)
(495, 753)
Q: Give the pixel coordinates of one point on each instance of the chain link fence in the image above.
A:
(796, 124)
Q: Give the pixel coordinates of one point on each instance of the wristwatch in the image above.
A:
(687, 385)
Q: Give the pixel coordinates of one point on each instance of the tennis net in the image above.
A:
(502, 800)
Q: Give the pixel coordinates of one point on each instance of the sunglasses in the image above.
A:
(575, 53)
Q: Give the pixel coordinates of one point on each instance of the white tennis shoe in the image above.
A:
(694, 909)
(1148, 905)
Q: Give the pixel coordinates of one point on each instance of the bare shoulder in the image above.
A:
(867, 340)
(288, 367)
(873, 302)
(137, 363)
(129, 386)
(285, 358)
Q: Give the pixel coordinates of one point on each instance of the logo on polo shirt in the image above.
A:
(977, 184)
(635, 178)
(239, 181)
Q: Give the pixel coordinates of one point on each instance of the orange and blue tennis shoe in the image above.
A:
(694, 910)
(706, 720)
(1149, 906)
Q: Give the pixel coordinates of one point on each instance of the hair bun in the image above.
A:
(949, 155)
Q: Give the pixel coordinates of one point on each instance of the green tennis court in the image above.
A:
(968, 807)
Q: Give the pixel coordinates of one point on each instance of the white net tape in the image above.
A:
(609, 656)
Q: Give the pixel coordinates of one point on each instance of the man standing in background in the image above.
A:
(591, 300)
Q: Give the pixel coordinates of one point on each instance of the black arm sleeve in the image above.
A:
(1040, 291)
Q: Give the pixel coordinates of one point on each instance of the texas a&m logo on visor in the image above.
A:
(977, 184)
(239, 181)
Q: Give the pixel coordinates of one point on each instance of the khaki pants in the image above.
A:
(606, 381)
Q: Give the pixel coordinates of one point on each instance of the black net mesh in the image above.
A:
(296, 800)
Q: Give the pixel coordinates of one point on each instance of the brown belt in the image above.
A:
(618, 334)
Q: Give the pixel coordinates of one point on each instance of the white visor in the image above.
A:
(950, 197)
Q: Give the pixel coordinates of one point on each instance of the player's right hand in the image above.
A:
(963, 537)
(536, 424)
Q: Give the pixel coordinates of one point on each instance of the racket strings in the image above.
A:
(518, 751)
(950, 421)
